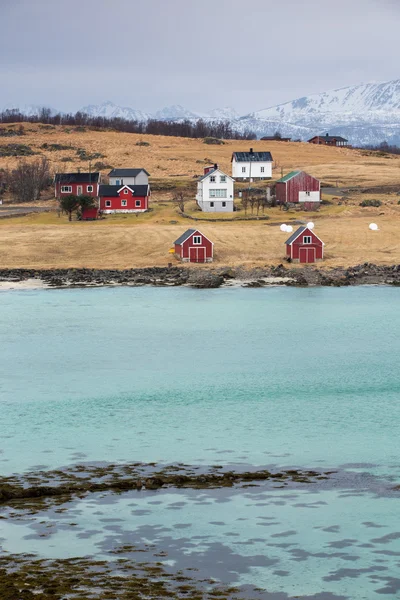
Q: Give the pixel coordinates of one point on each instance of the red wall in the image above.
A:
(289, 191)
(74, 187)
(297, 244)
(116, 202)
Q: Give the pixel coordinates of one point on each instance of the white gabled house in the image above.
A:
(251, 165)
(129, 177)
(215, 191)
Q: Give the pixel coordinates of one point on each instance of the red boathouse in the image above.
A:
(78, 184)
(195, 247)
(298, 187)
(304, 246)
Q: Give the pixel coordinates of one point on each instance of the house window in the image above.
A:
(124, 202)
(243, 169)
(66, 189)
(125, 191)
(218, 193)
(108, 203)
(211, 204)
(222, 179)
(197, 239)
(308, 193)
(223, 204)
(138, 203)
(307, 239)
(212, 178)
(117, 182)
(262, 169)
(89, 188)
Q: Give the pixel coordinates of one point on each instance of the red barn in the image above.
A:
(124, 199)
(193, 246)
(304, 246)
(298, 187)
(79, 184)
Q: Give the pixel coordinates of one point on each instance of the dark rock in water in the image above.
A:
(205, 280)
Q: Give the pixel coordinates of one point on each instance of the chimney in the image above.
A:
(215, 166)
(251, 150)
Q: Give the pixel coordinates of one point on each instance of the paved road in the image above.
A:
(18, 211)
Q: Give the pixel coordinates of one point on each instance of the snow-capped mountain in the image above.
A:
(367, 113)
(29, 109)
(176, 112)
(109, 110)
(224, 114)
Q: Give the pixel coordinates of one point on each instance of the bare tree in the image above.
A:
(28, 180)
(180, 199)
(245, 200)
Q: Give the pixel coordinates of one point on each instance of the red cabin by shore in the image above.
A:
(193, 246)
(124, 199)
(78, 184)
(304, 246)
(298, 187)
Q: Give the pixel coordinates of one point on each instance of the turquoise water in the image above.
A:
(280, 376)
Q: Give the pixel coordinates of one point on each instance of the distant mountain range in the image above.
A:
(364, 114)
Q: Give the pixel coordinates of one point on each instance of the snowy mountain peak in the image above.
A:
(224, 114)
(110, 110)
(175, 112)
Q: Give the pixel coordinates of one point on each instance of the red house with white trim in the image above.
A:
(304, 246)
(298, 187)
(193, 246)
(78, 184)
(124, 199)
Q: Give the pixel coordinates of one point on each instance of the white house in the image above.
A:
(129, 177)
(215, 191)
(251, 165)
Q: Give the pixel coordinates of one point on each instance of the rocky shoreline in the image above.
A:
(209, 277)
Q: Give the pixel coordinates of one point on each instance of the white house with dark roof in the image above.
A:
(215, 191)
(129, 177)
(251, 165)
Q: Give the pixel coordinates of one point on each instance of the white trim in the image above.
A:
(123, 211)
(302, 232)
(124, 187)
(308, 237)
(199, 240)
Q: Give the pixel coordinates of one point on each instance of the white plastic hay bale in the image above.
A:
(373, 227)
(310, 225)
(283, 227)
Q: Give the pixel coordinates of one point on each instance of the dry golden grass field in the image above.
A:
(49, 241)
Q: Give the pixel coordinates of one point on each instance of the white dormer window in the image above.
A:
(307, 239)
(197, 239)
(212, 178)
(125, 191)
(222, 179)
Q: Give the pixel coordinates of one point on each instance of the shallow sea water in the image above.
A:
(275, 377)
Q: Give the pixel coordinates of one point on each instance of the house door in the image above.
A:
(307, 255)
(79, 190)
(197, 255)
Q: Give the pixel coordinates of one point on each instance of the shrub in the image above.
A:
(213, 141)
(140, 143)
(42, 126)
(375, 203)
(83, 155)
(12, 132)
(66, 159)
(101, 166)
(55, 147)
(16, 150)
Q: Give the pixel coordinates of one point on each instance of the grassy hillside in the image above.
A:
(183, 159)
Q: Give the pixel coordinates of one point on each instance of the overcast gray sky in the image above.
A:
(203, 54)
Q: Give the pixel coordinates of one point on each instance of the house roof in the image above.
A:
(127, 172)
(211, 172)
(185, 236)
(288, 176)
(112, 190)
(252, 156)
(330, 138)
(298, 232)
(77, 177)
